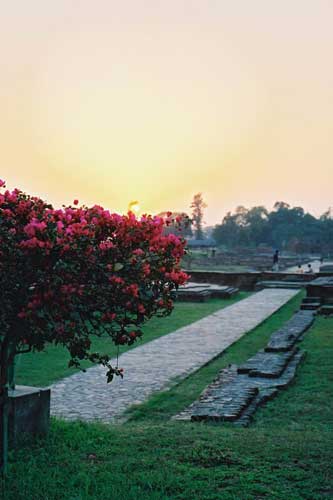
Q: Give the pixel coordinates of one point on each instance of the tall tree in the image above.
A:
(256, 225)
(198, 205)
(227, 233)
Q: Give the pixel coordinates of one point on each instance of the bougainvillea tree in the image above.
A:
(69, 274)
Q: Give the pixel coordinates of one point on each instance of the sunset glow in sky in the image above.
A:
(112, 101)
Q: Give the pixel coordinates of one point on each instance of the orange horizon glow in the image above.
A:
(111, 102)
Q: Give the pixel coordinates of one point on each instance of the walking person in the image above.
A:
(276, 261)
(300, 269)
(310, 269)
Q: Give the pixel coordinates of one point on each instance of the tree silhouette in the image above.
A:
(285, 227)
(198, 206)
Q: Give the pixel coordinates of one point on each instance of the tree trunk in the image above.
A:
(4, 406)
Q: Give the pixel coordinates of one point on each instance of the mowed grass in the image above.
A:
(285, 454)
(43, 368)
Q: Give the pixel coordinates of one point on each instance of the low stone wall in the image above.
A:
(257, 263)
(246, 281)
(270, 276)
(243, 281)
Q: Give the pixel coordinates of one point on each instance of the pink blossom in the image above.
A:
(106, 245)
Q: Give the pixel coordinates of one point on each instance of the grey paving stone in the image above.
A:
(225, 402)
(266, 364)
(286, 337)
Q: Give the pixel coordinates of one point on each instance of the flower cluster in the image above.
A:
(68, 274)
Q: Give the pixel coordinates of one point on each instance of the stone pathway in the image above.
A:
(157, 365)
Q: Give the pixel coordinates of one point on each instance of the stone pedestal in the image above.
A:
(29, 411)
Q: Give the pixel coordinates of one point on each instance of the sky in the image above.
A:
(108, 102)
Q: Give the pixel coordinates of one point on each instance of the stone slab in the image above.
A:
(267, 391)
(192, 295)
(266, 364)
(205, 286)
(224, 403)
(326, 310)
(286, 337)
(195, 292)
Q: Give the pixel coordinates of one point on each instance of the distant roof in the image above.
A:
(208, 242)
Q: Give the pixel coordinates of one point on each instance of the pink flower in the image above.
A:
(109, 316)
(146, 269)
(33, 243)
(116, 280)
(106, 245)
(141, 309)
(35, 225)
(132, 290)
(138, 251)
(76, 202)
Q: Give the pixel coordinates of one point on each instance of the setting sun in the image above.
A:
(134, 206)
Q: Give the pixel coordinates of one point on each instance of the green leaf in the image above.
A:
(118, 266)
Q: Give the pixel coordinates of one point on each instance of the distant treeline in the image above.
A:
(285, 227)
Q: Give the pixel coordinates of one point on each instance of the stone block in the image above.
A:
(266, 364)
(285, 338)
(224, 403)
(29, 411)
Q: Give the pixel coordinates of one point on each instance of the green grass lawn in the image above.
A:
(285, 454)
(41, 369)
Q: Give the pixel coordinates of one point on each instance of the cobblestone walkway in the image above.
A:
(155, 365)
